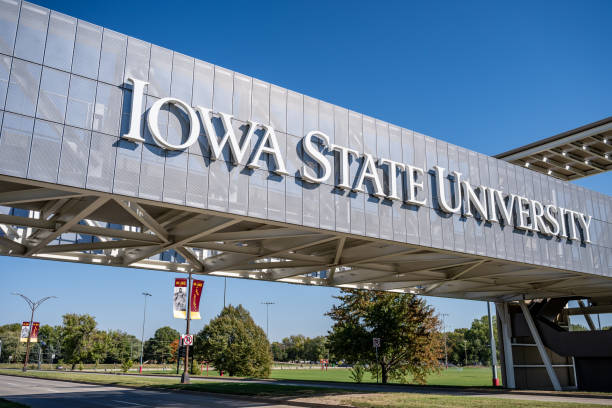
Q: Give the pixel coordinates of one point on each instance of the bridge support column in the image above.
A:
(541, 349)
(506, 339)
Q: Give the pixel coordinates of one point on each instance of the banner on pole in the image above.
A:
(25, 331)
(179, 301)
(196, 293)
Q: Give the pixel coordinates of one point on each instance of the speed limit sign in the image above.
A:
(187, 339)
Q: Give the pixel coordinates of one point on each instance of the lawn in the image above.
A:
(397, 400)
(469, 376)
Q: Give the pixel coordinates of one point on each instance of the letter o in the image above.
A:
(153, 124)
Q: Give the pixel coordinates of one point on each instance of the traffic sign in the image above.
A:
(376, 342)
(187, 339)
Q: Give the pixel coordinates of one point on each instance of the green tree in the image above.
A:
(278, 351)
(315, 348)
(50, 338)
(158, 347)
(77, 337)
(235, 344)
(9, 334)
(408, 329)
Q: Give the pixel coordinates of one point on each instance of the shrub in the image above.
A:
(126, 365)
(196, 368)
(357, 372)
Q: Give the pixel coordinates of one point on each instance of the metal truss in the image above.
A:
(75, 225)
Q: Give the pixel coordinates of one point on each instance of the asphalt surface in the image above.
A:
(49, 394)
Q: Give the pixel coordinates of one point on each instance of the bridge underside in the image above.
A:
(39, 220)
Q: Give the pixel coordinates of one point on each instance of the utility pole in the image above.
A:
(33, 305)
(185, 376)
(144, 316)
(445, 347)
(224, 290)
(493, 348)
(268, 317)
(465, 351)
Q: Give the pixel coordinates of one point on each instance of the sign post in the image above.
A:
(185, 376)
(376, 344)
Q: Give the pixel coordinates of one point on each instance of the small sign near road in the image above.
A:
(187, 339)
(376, 342)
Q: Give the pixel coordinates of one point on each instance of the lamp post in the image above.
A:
(445, 347)
(493, 348)
(185, 376)
(268, 317)
(33, 306)
(144, 317)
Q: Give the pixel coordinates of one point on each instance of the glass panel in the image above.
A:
(137, 60)
(87, 50)
(261, 102)
(127, 167)
(60, 41)
(9, 14)
(175, 177)
(112, 57)
(74, 157)
(80, 102)
(203, 78)
(239, 191)
(326, 120)
(53, 95)
(295, 114)
(242, 97)
(293, 197)
(278, 108)
(197, 181)
(276, 197)
(182, 77)
(45, 154)
(101, 167)
(15, 142)
(23, 88)
(223, 90)
(341, 123)
(5, 68)
(258, 194)
(160, 72)
(311, 115)
(107, 113)
(31, 33)
(152, 169)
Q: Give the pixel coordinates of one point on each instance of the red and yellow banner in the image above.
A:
(180, 298)
(25, 330)
(197, 287)
(179, 301)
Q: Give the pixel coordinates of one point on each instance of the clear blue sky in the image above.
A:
(489, 76)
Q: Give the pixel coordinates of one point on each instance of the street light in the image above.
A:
(144, 316)
(268, 317)
(444, 332)
(33, 305)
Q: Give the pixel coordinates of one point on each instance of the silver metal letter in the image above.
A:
(412, 174)
(537, 222)
(237, 151)
(137, 97)
(444, 205)
(273, 150)
(586, 224)
(368, 170)
(315, 154)
(522, 213)
(550, 213)
(392, 166)
(153, 124)
(345, 152)
(472, 198)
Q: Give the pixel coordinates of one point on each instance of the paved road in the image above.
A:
(49, 394)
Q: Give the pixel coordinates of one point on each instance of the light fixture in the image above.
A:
(526, 164)
(606, 155)
(564, 153)
(583, 147)
(549, 172)
(544, 159)
(605, 141)
(567, 167)
(586, 162)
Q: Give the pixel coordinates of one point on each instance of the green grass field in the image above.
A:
(469, 376)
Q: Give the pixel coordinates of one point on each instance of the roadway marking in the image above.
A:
(126, 402)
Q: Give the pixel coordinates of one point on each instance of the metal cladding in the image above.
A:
(122, 132)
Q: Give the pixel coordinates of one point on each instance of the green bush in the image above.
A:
(196, 368)
(126, 365)
(357, 372)
(81, 367)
